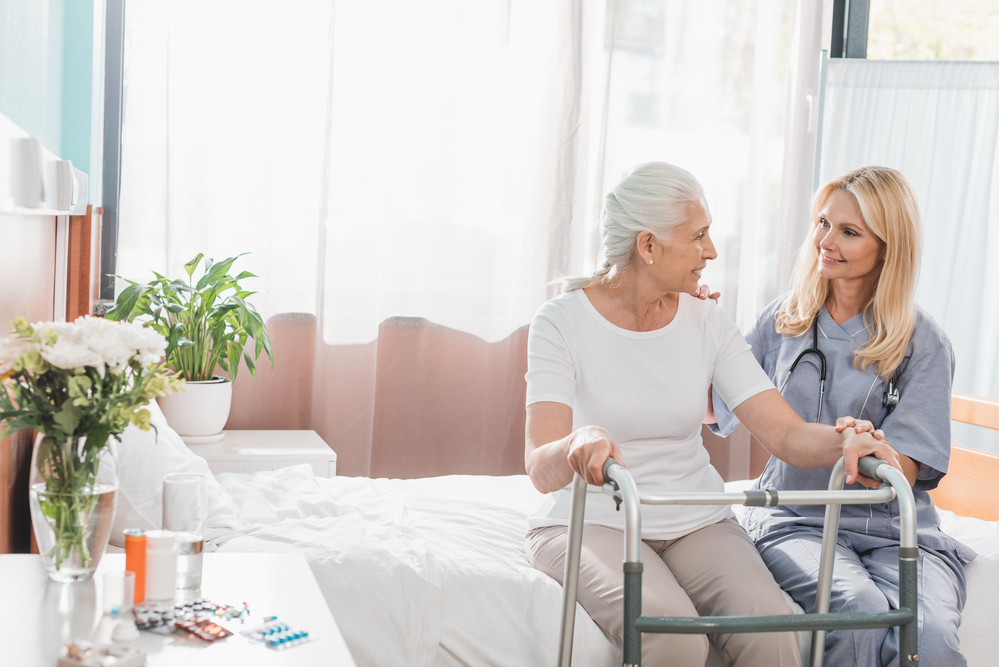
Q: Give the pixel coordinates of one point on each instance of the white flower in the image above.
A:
(102, 344)
(11, 348)
(69, 354)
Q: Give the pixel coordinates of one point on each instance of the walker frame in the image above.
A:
(622, 487)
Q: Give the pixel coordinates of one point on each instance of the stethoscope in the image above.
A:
(889, 400)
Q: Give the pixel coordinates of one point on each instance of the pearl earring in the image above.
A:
(650, 261)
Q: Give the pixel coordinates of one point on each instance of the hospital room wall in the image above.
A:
(47, 74)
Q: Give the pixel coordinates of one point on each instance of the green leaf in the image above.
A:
(246, 274)
(68, 417)
(126, 303)
(130, 282)
(234, 351)
(217, 272)
(250, 364)
(192, 265)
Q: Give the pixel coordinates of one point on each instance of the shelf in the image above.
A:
(25, 210)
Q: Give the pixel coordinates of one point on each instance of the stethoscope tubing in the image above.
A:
(814, 349)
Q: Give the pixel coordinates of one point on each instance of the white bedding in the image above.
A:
(433, 571)
(416, 572)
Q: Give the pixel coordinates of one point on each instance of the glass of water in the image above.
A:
(185, 512)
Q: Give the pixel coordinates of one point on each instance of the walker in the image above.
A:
(621, 486)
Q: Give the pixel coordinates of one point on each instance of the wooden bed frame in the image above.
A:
(971, 487)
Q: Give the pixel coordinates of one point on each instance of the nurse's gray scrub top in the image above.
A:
(918, 427)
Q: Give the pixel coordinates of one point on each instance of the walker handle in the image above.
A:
(607, 464)
(868, 466)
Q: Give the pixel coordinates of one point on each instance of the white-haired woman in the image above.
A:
(620, 365)
(886, 361)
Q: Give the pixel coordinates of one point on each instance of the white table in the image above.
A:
(38, 614)
(252, 451)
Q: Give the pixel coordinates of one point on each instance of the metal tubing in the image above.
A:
(830, 530)
(570, 579)
(632, 644)
(820, 120)
(708, 625)
(908, 643)
(908, 558)
(884, 495)
(628, 491)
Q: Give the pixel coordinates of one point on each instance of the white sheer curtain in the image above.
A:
(937, 123)
(378, 158)
(222, 152)
(457, 171)
(719, 87)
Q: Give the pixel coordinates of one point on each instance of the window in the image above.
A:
(933, 30)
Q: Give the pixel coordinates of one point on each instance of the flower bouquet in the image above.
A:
(78, 385)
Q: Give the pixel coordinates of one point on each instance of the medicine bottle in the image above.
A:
(161, 566)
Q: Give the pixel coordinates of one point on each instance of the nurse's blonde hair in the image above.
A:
(888, 206)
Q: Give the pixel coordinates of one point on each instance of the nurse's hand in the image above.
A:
(859, 426)
(857, 445)
(704, 292)
(589, 449)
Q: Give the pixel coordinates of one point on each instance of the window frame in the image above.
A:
(114, 51)
(850, 22)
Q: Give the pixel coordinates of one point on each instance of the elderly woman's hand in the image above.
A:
(857, 445)
(589, 449)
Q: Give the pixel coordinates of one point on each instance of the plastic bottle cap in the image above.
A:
(159, 539)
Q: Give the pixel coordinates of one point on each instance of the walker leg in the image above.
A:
(908, 598)
(632, 645)
(830, 530)
(570, 579)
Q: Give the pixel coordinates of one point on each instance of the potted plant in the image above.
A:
(78, 385)
(207, 323)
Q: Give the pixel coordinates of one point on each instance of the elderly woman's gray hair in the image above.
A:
(653, 197)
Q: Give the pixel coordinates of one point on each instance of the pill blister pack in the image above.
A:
(194, 616)
(277, 635)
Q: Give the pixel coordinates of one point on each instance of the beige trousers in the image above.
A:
(714, 571)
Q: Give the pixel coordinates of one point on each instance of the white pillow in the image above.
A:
(144, 457)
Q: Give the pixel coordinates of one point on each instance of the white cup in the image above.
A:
(119, 591)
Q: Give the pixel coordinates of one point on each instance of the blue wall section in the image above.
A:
(46, 72)
(77, 84)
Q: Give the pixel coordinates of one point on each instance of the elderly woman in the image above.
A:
(850, 316)
(619, 365)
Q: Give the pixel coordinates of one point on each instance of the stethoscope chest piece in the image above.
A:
(890, 398)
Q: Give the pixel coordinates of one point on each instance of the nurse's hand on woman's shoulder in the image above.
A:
(589, 449)
(704, 292)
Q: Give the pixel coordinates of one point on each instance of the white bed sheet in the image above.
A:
(433, 571)
(417, 572)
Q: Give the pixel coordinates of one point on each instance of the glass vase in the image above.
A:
(73, 487)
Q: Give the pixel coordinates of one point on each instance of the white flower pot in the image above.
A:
(198, 412)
